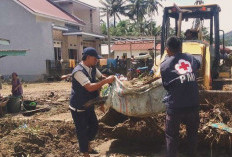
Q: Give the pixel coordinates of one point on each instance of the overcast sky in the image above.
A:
(226, 10)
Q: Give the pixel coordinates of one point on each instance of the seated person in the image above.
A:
(17, 89)
(191, 34)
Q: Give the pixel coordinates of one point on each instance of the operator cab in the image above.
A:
(204, 46)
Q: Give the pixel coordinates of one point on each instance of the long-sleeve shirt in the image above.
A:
(179, 79)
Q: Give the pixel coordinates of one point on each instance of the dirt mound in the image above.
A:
(43, 135)
(38, 138)
(147, 130)
(152, 129)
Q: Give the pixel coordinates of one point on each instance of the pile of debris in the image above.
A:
(215, 129)
(216, 124)
(138, 82)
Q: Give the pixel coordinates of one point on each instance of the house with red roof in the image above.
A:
(52, 31)
(134, 48)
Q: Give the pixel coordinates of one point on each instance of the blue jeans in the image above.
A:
(191, 120)
(86, 127)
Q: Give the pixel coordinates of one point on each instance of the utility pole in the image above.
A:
(108, 32)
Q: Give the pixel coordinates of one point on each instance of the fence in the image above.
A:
(55, 68)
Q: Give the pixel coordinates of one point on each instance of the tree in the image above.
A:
(151, 29)
(115, 8)
(128, 28)
(123, 28)
(152, 7)
(104, 28)
(205, 34)
(137, 10)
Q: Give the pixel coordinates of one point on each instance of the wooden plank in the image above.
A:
(31, 112)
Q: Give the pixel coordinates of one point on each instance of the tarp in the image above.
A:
(221, 126)
(12, 52)
(111, 62)
(138, 102)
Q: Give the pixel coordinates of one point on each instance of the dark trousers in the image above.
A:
(191, 120)
(86, 127)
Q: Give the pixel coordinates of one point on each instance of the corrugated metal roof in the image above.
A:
(46, 8)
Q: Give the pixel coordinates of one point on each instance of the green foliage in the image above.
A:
(129, 28)
(123, 28)
(228, 38)
(172, 32)
(149, 28)
(205, 34)
(135, 10)
(138, 10)
(104, 28)
(115, 8)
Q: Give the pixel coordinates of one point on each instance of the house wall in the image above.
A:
(93, 27)
(96, 43)
(72, 44)
(58, 36)
(96, 21)
(67, 7)
(25, 32)
(80, 47)
(53, 21)
(64, 48)
(89, 44)
(69, 42)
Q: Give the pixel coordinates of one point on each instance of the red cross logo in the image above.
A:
(183, 67)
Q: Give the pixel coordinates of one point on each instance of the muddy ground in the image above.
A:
(52, 133)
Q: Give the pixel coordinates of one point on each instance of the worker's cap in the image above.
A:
(90, 51)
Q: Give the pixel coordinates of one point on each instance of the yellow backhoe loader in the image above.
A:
(212, 77)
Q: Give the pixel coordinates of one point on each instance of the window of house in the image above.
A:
(57, 50)
(57, 53)
(125, 54)
(72, 27)
(72, 54)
